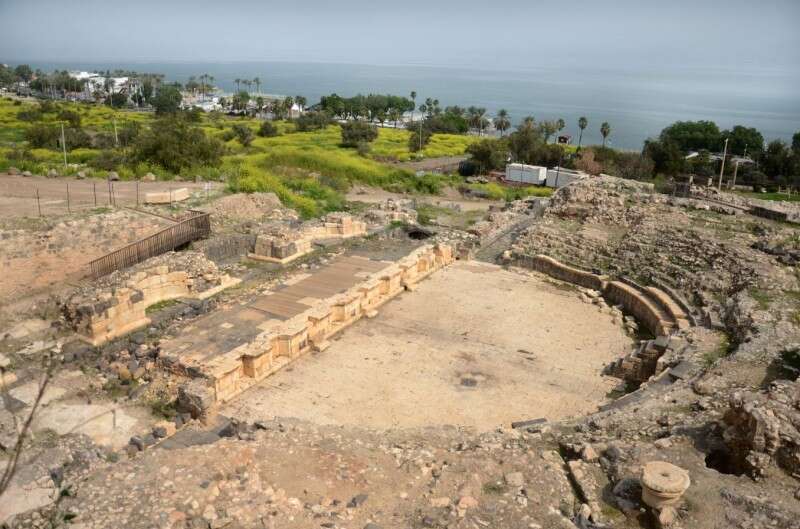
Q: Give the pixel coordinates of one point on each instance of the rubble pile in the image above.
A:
(764, 427)
(117, 303)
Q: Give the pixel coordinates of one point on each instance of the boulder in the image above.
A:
(195, 398)
(80, 175)
(113, 176)
(13, 171)
(149, 177)
(52, 173)
(27, 173)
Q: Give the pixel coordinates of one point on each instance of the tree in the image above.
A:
(301, 101)
(605, 130)
(238, 82)
(489, 154)
(582, 124)
(413, 96)
(560, 124)
(501, 122)
(666, 155)
(548, 128)
(524, 142)
(23, 72)
(777, 162)
(257, 82)
(168, 100)
(357, 132)
(693, 136)
(741, 139)
(117, 100)
(174, 143)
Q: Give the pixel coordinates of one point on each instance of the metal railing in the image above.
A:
(195, 227)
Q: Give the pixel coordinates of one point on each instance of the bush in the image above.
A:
(168, 100)
(107, 160)
(312, 121)
(32, 114)
(363, 149)
(43, 136)
(418, 139)
(175, 144)
(267, 130)
(243, 133)
(355, 132)
(73, 118)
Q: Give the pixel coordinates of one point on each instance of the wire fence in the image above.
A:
(38, 197)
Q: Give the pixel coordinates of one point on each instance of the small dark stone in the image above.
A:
(138, 442)
(149, 440)
(357, 501)
(138, 337)
(469, 382)
(160, 432)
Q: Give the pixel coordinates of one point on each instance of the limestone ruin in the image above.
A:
(609, 357)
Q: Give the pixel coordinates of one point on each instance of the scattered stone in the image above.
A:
(357, 501)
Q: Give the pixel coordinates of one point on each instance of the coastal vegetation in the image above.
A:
(305, 161)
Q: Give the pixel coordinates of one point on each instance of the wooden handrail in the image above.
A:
(191, 229)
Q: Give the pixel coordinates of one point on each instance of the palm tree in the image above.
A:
(301, 101)
(605, 130)
(501, 122)
(248, 83)
(237, 81)
(257, 82)
(582, 124)
(413, 100)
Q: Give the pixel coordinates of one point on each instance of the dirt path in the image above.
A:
(18, 194)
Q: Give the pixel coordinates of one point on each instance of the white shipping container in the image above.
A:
(559, 178)
(526, 174)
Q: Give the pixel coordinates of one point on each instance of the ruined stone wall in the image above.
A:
(642, 308)
(117, 304)
(553, 268)
(284, 247)
(223, 247)
(231, 373)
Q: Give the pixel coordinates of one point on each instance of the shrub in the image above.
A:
(267, 130)
(174, 144)
(107, 160)
(355, 132)
(363, 149)
(243, 133)
(73, 118)
(312, 121)
(32, 114)
(418, 139)
(43, 136)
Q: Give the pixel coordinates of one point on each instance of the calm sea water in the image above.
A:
(637, 103)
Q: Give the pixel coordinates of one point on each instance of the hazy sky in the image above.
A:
(497, 33)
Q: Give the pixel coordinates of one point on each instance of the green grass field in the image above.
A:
(307, 170)
(771, 196)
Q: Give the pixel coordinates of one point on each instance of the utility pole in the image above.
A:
(116, 138)
(722, 168)
(735, 170)
(63, 145)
